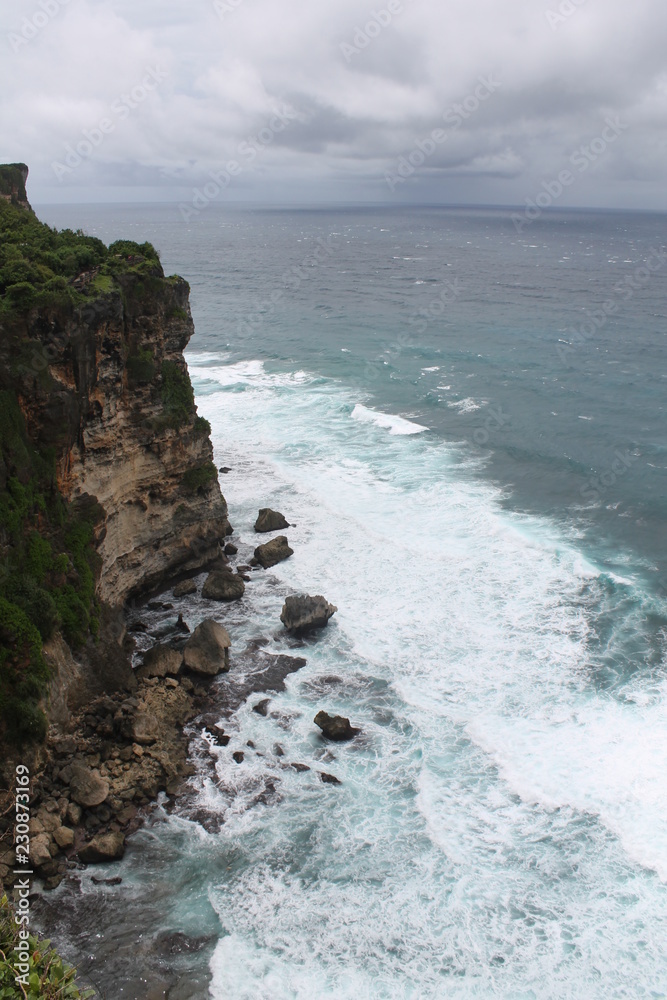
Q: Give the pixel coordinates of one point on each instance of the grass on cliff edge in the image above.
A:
(49, 977)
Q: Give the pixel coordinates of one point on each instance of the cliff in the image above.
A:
(13, 177)
(115, 403)
(107, 485)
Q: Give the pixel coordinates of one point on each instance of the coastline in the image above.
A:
(102, 420)
(461, 650)
(196, 723)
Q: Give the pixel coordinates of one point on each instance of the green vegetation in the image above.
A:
(47, 573)
(39, 266)
(48, 976)
(177, 313)
(102, 284)
(199, 477)
(132, 252)
(141, 366)
(202, 427)
(177, 394)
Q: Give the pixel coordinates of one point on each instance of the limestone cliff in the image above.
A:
(107, 485)
(106, 407)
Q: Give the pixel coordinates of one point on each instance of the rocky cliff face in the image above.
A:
(94, 387)
(104, 400)
(13, 179)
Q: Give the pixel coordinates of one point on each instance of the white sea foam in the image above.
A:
(467, 405)
(394, 424)
(601, 757)
(246, 373)
(501, 804)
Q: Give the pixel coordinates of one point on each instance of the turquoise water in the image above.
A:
(481, 490)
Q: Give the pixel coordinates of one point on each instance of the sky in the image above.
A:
(509, 102)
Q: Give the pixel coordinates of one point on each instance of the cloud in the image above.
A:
(364, 83)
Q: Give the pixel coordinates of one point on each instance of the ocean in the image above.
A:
(464, 420)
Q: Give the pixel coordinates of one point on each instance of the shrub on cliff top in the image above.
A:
(39, 265)
(48, 976)
(128, 249)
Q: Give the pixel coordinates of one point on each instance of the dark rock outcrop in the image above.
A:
(223, 585)
(143, 729)
(87, 786)
(329, 779)
(13, 177)
(184, 588)
(104, 847)
(270, 520)
(161, 661)
(207, 652)
(273, 552)
(335, 727)
(301, 613)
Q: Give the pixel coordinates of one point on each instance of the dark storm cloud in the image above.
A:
(360, 85)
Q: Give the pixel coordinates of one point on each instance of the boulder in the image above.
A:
(301, 612)
(270, 520)
(161, 661)
(87, 786)
(223, 585)
(104, 847)
(39, 850)
(230, 549)
(64, 837)
(207, 651)
(329, 779)
(73, 814)
(144, 729)
(275, 551)
(184, 588)
(335, 727)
